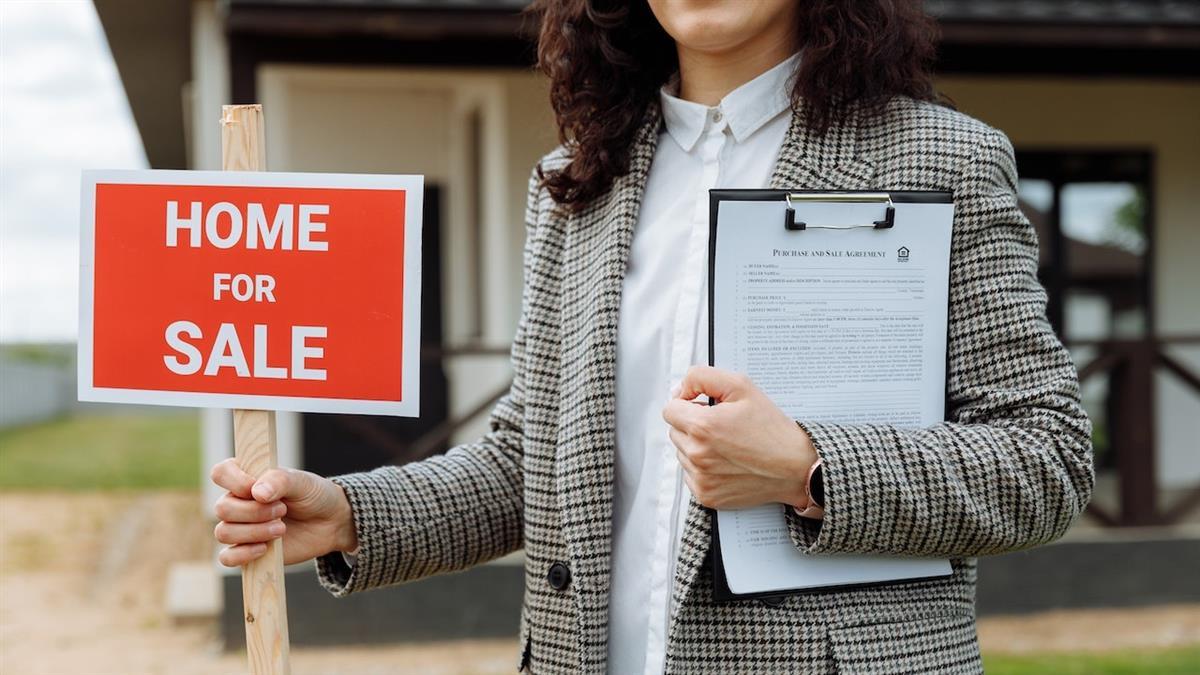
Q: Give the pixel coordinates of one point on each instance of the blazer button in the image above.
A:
(559, 576)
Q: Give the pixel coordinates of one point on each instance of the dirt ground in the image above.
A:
(82, 581)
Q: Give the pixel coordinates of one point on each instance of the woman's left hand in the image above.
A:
(741, 453)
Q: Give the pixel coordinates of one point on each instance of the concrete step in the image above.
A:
(194, 592)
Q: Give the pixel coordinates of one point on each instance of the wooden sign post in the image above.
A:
(264, 602)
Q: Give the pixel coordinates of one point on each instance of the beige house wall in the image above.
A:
(1164, 118)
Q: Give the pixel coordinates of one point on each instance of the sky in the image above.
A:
(62, 109)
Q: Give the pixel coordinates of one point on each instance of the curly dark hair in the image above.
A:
(606, 60)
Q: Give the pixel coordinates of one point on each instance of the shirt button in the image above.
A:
(717, 116)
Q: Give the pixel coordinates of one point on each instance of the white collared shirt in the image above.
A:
(662, 330)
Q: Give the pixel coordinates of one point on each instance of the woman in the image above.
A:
(603, 485)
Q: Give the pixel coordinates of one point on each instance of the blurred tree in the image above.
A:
(1127, 228)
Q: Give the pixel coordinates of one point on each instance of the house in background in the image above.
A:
(1099, 99)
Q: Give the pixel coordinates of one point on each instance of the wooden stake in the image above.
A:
(243, 140)
(264, 603)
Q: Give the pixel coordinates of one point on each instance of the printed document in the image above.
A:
(835, 325)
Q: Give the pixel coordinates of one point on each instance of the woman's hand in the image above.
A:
(741, 453)
(313, 512)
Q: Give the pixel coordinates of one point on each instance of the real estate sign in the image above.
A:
(272, 291)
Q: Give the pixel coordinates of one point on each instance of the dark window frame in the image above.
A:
(1064, 166)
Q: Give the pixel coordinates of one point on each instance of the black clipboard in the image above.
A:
(721, 590)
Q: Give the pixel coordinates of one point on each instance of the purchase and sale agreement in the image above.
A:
(840, 322)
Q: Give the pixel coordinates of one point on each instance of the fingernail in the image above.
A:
(675, 391)
(278, 510)
(262, 491)
(275, 529)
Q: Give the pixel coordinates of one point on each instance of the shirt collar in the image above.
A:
(746, 109)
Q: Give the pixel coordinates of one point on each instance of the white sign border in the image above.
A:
(414, 187)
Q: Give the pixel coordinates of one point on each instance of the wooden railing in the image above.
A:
(1131, 422)
(438, 436)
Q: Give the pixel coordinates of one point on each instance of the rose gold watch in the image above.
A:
(814, 489)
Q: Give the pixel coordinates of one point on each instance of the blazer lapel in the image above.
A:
(828, 161)
(806, 162)
(595, 258)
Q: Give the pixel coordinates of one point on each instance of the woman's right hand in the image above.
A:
(311, 513)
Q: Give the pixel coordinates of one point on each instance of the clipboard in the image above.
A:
(885, 220)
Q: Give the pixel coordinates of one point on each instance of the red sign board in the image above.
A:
(251, 290)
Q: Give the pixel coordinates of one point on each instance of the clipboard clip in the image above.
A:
(889, 214)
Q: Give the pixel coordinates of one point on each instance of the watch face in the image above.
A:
(816, 486)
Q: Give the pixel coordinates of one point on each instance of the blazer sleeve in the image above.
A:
(1012, 467)
(448, 512)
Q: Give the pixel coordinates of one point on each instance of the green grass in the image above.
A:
(1182, 661)
(107, 452)
(49, 353)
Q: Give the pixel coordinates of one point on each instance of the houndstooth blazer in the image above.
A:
(1010, 469)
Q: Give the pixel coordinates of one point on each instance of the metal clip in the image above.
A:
(889, 216)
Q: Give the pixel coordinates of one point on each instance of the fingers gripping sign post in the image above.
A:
(253, 291)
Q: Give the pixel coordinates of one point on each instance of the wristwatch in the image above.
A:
(814, 489)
